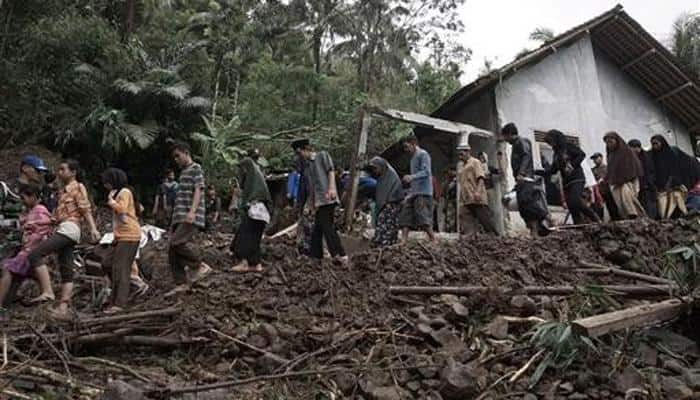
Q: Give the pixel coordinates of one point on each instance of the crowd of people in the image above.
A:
(662, 182)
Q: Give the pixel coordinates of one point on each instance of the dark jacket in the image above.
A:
(521, 158)
(567, 158)
(648, 180)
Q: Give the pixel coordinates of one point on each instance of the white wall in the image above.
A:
(581, 92)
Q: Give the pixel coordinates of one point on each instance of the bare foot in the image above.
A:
(202, 271)
(43, 298)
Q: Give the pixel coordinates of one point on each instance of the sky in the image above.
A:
(497, 30)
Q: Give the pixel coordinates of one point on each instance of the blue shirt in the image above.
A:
(422, 183)
(293, 181)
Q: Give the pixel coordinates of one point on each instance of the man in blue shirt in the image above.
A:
(417, 212)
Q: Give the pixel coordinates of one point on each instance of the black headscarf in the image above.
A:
(389, 189)
(623, 164)
(567, 157)
(673, 167)
(116, 178)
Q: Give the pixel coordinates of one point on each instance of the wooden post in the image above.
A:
(357, 159)
(638, 316)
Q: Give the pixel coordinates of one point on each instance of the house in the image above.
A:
(606, 74)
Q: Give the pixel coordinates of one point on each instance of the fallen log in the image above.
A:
(155, 341)
(598, 269)
(165, 312)
(627, 290)
(637, 316)
(59, 379)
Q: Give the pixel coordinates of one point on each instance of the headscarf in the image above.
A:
(623, 164)
(253, 185)
(673, 167)
(116, 178)
(389, 189)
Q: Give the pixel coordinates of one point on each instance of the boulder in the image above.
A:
(459, 381)
(525, 305)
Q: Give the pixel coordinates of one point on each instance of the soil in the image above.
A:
(300, 315)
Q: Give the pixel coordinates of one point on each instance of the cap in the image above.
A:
(596, 155)
(34, 162)
(300, 143)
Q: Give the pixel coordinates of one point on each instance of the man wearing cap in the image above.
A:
(473, 197)
(647, 188)
(323, 199)
(30, 172)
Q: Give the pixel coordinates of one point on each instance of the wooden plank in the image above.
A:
(358, 158)
(632, 317)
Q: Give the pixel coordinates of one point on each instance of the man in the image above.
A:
(31, 173)
(417, 211)
(647, 190)
(188, 217)
(624, 171)
(473, 197)
(600, 171)
(532, 203)
(165, 199)
(323, 198)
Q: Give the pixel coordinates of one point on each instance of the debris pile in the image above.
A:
(303, 330)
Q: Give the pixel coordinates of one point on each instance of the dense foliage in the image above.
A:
(111, 82)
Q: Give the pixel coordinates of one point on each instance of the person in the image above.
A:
(600, 171)
(532, 203)
(213, 207)
(323, 198)
(234, 202)
(188, 218)
(473, 198)
(31, 171)
(675, 173)
(36, 226)
(417, 208)
(73, 208)
(567, 162)
(388, 197)
(165, 199)
(647, 188)
(127, 236)
(624, 171)
(255, 215)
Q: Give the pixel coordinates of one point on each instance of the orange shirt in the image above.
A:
(73, 203)
(125, 223)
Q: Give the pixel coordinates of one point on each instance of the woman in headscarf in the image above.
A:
(675, 172)
(567, 161)
(388, 197)
(255, 201)
(624, 171)
(647, 190)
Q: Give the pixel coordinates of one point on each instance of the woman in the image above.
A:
(567, 161)
(388, 197)
(624, 171)
(675, 173)
(255, 201)
(127, 235)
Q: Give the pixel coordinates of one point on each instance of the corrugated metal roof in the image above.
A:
(631, 47)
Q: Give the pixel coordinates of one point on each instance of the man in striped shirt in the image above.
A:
(188, 217)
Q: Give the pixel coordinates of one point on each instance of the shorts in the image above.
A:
(417, 212)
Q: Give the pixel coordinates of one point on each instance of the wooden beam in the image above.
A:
(639, 59)
(675, 91)
(358, 158)
(632, 317)
(455, 128)
(640, 291)
(597, 269)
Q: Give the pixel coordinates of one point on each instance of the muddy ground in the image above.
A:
(328, 331)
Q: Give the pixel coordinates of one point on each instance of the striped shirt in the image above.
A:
(191, 177)
(73, 203)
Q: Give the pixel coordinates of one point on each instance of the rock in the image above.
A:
(673, 365)
(424, 329)
(567, 387)
(345, 381)
(269, 332)
(120, 390)
(428, 372)
(497, 329)
(692, 378)
(458, 381)
(450, 342)
(439, 276)
(389, 393)
(525, 305)
(529, 396)
(578, 396)
(676, 343)
(630, 378)
(648, 355)
(675, 388)
(413, 386)
(584, 380)
(459, 312)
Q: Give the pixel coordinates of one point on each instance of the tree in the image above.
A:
(686, 41)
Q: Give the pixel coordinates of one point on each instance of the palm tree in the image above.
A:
(542, 35)
(686, 41)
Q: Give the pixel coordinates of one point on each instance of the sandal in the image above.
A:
(41, 299)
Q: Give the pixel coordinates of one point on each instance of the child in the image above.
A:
(213, 208)
(127, 235)
(36, 226)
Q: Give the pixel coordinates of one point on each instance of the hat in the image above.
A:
(34, 162)
(300, 143)
(596, 155)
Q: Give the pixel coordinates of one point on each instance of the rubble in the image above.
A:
(302, 330)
